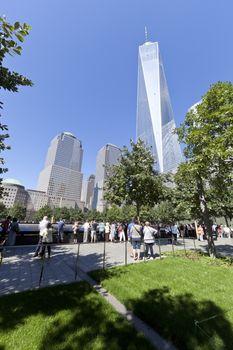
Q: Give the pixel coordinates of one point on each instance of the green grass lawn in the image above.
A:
(172, 293)
(64, 317)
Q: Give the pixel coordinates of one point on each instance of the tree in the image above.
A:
(3, 211)
(45, 211)
(18, 211)
(207, 132)
(76, 215)
(134, 181)
(61, 213)
(10, 36)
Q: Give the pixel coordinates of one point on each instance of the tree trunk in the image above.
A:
(206, 217)
(138, 208)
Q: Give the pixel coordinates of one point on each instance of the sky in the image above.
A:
(82, 58)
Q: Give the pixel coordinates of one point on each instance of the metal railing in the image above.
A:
(71, 259)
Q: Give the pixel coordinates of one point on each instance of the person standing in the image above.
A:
(149, 239)
(135, 234)
(13, 230)
(226, 232)
(60, 231)
(174, 231)
(107, 231)
(182, 230)
(93, 231)
(199, 232)
(86, 227)
(75, 229)
(121, 232)
(47, 239)
(101, 228)
(112, 232)
(42, 225)
(5, 226)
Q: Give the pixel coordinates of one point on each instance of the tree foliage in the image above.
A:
(207, 133)
(45, 211)
(134, 181)
(10, 37)
(17, 211)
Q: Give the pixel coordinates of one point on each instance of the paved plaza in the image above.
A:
(20, 271)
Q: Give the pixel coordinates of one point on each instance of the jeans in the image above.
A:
(149, 246)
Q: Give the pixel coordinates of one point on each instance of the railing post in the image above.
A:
(126, 252)
(159, 249)
(184, 246)
(144, 252)
(104, 253)
(42, 268)
(77, 260)
(173, 252)
(1, 255)
(194, 243)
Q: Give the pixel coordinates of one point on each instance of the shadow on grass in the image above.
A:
(76, 316)
(100, 275)
(225, 249)
(174, 318)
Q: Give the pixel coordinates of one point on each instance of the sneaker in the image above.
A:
(151, 258)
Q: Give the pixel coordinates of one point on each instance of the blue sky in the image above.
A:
(82, 58)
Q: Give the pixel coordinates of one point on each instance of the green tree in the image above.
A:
(45, 211)
(114, 214)
(134, 181)
(165, 212)
(3, 211)
(221, 199)
(76, 215)
(207, 132)
(10, 37)
(93, 215)
(61, 213)
(18, 211)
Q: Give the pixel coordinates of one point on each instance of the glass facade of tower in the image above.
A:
(155, 121)
(107, 156)
(61, 176)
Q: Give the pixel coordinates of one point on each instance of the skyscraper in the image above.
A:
(61, 177)
(107, 156)
(87, 191)
(155, 120)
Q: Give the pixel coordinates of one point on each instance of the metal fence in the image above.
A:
(19, 270)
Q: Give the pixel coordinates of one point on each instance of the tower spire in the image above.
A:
(146, 34)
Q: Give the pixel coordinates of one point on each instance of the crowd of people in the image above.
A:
(8, 231)
(93, 231)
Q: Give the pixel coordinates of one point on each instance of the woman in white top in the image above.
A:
(47, 238)
(112, 232)
(149, 239)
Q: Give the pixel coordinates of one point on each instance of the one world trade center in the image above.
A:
(155, 120)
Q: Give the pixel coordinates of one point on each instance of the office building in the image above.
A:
(107, 156)
(36, 200)
(155, 121)
(61, 177)
(87, 191)
(13, 192)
